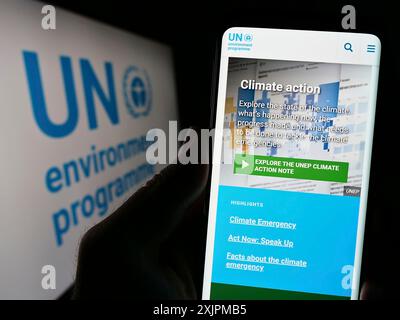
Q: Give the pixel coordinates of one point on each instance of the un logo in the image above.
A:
(137, 92)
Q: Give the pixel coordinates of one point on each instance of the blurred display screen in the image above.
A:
(76, 104)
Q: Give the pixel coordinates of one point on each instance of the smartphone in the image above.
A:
(291, 161)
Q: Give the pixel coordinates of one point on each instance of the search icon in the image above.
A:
(348, 47)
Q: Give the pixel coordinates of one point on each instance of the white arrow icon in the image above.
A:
(244, 164)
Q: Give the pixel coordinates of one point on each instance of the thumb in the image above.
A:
(154, 211)
(118, 244)
(371, 291)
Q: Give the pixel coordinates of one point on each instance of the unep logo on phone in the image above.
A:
(137, 91)
(240, 37)
(240, 41)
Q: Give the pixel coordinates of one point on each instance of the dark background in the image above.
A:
(193, 30)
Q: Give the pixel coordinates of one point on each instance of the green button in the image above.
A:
(291, 168)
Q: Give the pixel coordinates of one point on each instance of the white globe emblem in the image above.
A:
(137, 92)
(248, 37)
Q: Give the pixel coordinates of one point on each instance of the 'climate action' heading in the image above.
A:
(273, 86)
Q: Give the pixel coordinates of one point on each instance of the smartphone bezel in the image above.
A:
(220, 81)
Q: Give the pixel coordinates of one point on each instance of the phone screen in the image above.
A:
(294, 128)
